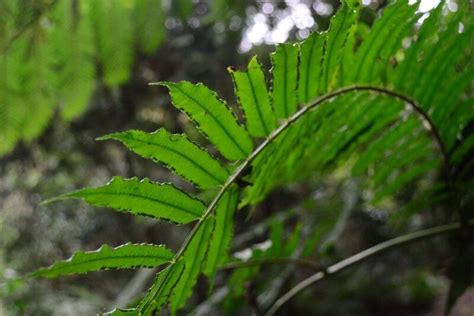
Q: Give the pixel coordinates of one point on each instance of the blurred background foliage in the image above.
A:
(74, 70)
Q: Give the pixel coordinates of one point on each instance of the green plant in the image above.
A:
(55, 55)
(345, 97)
(50, 53)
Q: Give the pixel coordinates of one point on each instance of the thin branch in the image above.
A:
(363, 256)
(148, 300)
(264, 261)
(133, 288)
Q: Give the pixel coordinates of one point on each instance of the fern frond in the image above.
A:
(222, 232)
(311, 53)
(149, 29)
(336, 39)
(49, 57)
(193, 258)
(143, 197)
(347, 117)
(368, 54)
(285, 80)
(128, 256)
(161, 289)
(178, 153)
(252, 94)
(71, 42)
(114, 31)
(212, 117)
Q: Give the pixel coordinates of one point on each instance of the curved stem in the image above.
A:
(278, 260)
(363, 256)
(273, 136)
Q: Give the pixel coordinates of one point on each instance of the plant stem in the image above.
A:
(363, 256)
(278, 260)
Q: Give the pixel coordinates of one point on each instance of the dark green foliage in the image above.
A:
(52, 59)
(366, 101)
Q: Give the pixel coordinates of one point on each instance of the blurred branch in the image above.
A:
(133, 288)
(350, 196)
(363, 256)
(265, 261)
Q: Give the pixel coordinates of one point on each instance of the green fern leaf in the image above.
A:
(285, 80)
(213, 118)
(409, 152)
(143, 198)
(437, 72)
(367, 56)
(114, 32)
(71, 42)
(332, 133)
(161, 289)
(311, 53)
(405, 178)
(193, 257)
(334, 47)
(376, 150)
(178, 153)
(222, 232)
(251, 91)
(128, 256)
(149, 30)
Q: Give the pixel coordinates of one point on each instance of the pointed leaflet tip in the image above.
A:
(285, 61)
(167, 84)
(56, 199)
(177, 153)
(212, 117)
(126, 256)
(252, 94)
(107, 137)
(144, 197)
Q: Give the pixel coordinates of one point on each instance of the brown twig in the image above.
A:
(271, 261)
(363, 256)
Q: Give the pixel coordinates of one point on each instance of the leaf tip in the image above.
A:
(167, 84)
(106, 137)
(54, 199)
(155, 83)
